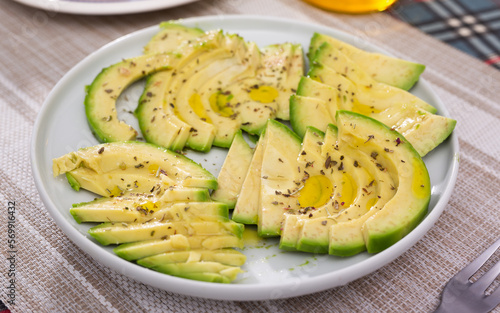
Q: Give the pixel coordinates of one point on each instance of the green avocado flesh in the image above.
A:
(346, 177)
(111, 169)
(357, 187)
(233, 171)
(382, 68)
(201, 89)
(335, 82)
(100, 100)
(156, 207)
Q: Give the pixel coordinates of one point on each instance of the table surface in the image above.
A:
(53, 275)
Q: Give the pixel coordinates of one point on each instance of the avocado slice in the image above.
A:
(379, 189)
(337, 188)
(393, 107)
(157, 119)
(141, 208)
(279, 177)
(409, 205)
(171, 36)
(308, 161)
(142, 249)
(113, 233)
(233, 171)
(102, 93)
(382, 68)
(111, 169)
(223, 256)
(285, 78)
(204, 271)
(363, 93)
(220, 58)
(158, 122)
(308, 111)
(205, 87)
(265, 96)
(247, 205)
(216, 96)
(357, 191)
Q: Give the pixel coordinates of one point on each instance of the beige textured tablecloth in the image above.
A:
(54, 275)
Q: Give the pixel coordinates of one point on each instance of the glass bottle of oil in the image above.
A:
(353, 6)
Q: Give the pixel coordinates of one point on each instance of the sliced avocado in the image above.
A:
(354, 194)
(363, 93)
(112, 169)
(292, 225)
(308, 111)
(385, 69)
(379, 189)
(233, 171)
(170, 37)
(158, 122)
(114, 233)
(393, 107)
(141, 208)
(345, 235)
(309, 161)
(189, 88)
(223, 256)
(101, 95)
(216, 96)
(422, 129)
(213, 85)
(138, 250)
(279, 177)
(409, 205)
(204, 271)
(309, 87)
(368, 89)
(185, 194)
(283, 66)
(248, 202)
(265, 95)
(331, 191)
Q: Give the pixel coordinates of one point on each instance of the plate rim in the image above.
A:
(239, 292)
(103, 8)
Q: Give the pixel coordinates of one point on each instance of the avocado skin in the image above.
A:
(375, 230)
(311, 246)
(73, 182)
(347, 250)
(100, 96)
(378, 243)
(206, 277)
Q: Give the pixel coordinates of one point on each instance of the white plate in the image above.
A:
(61, 127)
(103, 7)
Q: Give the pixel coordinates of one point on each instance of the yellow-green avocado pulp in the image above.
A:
(156, 207)
(361, 187)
